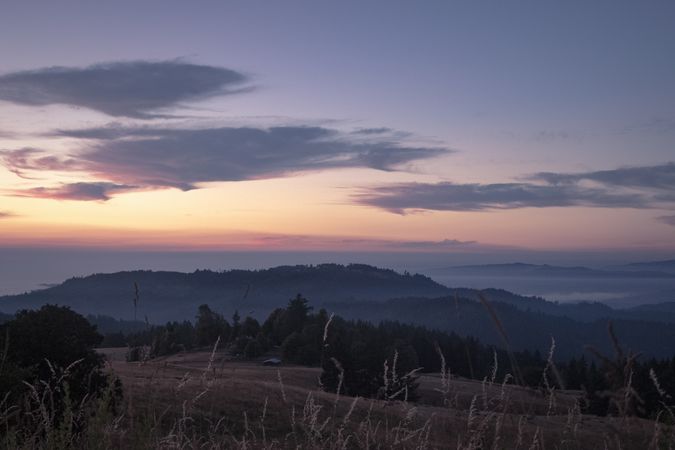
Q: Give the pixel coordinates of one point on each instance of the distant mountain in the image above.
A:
(360, 292)
(175, 296)
(545, 270)
(667, 266)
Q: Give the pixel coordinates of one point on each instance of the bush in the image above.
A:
(38, 342)
(50, 366)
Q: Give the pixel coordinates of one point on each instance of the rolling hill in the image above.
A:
(362, 292)
(167, 296)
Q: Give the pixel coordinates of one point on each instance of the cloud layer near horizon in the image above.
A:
(668, 220)
(637, 187)
(127, 158)
(136, 89)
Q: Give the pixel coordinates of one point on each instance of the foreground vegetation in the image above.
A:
(344, 385)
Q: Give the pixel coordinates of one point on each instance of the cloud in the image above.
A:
(446, 196)
(6, 214)
(668, 220)
(351, 243)
(122, 89)
(182, 158)
(629, 187)
(438, 245)
(655, 125)
(547, 136)
(75, 191)
(371, 131)
(17, 160)
(660, 177)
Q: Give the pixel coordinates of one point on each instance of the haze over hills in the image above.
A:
(662, 266)
(643, 270)
(362, 292)
(619, 286)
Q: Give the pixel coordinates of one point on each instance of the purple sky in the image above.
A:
(435, 126)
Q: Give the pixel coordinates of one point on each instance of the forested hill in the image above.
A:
(359, 292)
(525, 330)
(165, 296)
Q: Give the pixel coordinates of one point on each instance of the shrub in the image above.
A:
(39, 341)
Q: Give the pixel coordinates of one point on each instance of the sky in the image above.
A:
(439, 127)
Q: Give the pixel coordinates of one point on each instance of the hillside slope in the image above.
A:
(165, 296)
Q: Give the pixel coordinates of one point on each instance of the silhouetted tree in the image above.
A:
(236, 325)
(41, 346)
(210, 325)
(296, 314)
(250, 327)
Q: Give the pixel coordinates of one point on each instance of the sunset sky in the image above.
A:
(387, 126)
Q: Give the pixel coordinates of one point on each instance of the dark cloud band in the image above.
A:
(181, 158)
(404, 197)
(122, 89)
(660, 177)
(632, 187)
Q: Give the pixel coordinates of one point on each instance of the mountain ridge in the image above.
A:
(357, 291)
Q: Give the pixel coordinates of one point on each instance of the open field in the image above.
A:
(202, 400)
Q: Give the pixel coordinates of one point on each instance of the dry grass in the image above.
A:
(202, 400)
(174, 402)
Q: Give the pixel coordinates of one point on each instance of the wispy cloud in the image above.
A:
(224, 240)
(659, 177)
(75, 191)
(181, 158)
(668, 220)
(351, 243)
(406, 197)
(373, 131)
(443, 244)
(636, 187)
(6, 214)
(658, 125)
(547, 136)
(137, 89)
(17, 160)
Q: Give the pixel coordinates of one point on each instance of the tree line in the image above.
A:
(356, 357)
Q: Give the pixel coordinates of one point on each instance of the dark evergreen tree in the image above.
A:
(236, 325)
(250, 327)
(210, 325)
(42, 347)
